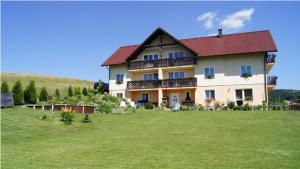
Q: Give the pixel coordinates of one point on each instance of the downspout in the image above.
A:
(265, 79)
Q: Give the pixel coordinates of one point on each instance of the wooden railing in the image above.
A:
(145, 84)
(185, 82)
(161, 63)
(271, 58)
(272, 80)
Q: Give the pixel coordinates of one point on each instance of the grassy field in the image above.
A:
(50, 82)
(152, 139)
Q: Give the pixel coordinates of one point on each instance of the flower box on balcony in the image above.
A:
(210, 77)
(246, 75)
(119, 81)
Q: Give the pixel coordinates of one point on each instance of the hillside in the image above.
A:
(50, 82)
(284, 94)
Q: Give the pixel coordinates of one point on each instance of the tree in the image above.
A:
(99, 87)
(30, 96)
(4, 87)
(57, 93)
(70, 91)
(77, 91)
(84, 91)
(43, 94)
(18, 93)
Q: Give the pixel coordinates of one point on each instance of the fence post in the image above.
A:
(43, 108)
(33, 107)
(52, 107)
(83, 109)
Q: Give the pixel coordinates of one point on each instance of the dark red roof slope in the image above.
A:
(248, 42)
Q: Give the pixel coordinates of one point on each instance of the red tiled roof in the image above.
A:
(248, 42)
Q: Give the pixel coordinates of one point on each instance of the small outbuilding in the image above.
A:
(7, 100)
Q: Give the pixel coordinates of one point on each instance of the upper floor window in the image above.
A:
(209, 72)
(175, 54)
(150, 76)
(176, 75)
(246, 71)
(150, 57)
(210, 94)
(120, 78)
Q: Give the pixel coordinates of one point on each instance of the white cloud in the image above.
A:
(237, 20)
(207, 19)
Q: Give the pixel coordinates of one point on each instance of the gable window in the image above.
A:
(246, 71)
(176, 54)
(243, 95)
(151, 57)
(120, 95)
(210, 94)
(145, 97)
(176, 75)
(209, 72)
(119, 78)
(150, 76)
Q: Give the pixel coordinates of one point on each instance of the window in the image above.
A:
(243, 95)
(187, 96)
(120, 95)
(246, 71)
(145, 97)
(209, 94)
(151, 57)
(176, 75)
(120, 78)
(248, 94)
(150, 76)
(176, 54)
(209, 72)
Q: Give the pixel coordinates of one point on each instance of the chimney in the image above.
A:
(219, 33)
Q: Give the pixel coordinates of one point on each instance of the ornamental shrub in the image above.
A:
(149, 106)
(77, 91)
(230, 105)
(57, 94)
(86, 119)
(84, 91)
(43, 94)
(4, 87)
(70, 91)
(105, 108)
(184, 108)
(67, 116)
(18, 94)
(30, 96)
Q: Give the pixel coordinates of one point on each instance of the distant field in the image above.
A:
(50, 82)
(152, 139)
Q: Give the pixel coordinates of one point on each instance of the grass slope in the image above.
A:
(50, 82)
(152, 139)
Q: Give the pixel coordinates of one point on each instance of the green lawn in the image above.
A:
(152, 139)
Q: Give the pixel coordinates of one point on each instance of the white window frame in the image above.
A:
(152, 56)
(210, 94)
(246, 69)
(208, 67)
(243, 94)
(184, 54)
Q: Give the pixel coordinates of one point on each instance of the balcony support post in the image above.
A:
(160, 74)
(160, 96)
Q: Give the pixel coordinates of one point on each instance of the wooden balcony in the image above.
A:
(271, 82)
(161, 63)
(184, 82)
(167, 83)
(270, 60)
(143, 84)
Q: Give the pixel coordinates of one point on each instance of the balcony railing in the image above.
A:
(271, 58)
(272, 80)
(143, 84)
(185, 82)
(146, 84)
(161, 63)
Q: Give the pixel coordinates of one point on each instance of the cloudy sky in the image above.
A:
(73, 38)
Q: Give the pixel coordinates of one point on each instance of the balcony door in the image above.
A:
(174, 99)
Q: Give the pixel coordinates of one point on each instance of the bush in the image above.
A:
(18, 94)
(217, 104)
(67, 116)
(70, 91)
(43, 94)
(109, 98)
(77, 91)
(45, 116)
(57, 94)
(230, 105)
(184, 108)
(149, 106)
(236, 108)
(130, 110)
(105, 108)
(84, 91)
(30, 96)
(86, 119)
(246, 107)
(4, 87)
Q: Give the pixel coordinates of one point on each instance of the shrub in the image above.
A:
(99, 87)
(4, 87)
(217, 104)
(67, 116)
(149, 105)
(184, 108)
(236, 108)
(109, 98)
(246, 107)
(43, 94)
(57, 94)
(30, 96)
(84, 91)
(130, 110)
(105, 108)
(70, 91)
(18, 94)
(230, 105)
(86, 119)
(77, 91)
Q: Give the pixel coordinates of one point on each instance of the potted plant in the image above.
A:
(246, 75)
(119, 81)
(210, 77)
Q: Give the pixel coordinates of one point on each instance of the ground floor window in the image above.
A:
(210, 94)
(120, 95)
(145, 97)
(243, 95)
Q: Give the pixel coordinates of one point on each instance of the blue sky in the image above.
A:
(72, 39)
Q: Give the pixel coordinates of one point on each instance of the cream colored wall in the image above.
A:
(188, 73)
(140, 75)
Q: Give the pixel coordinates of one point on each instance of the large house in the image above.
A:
(203, 70)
